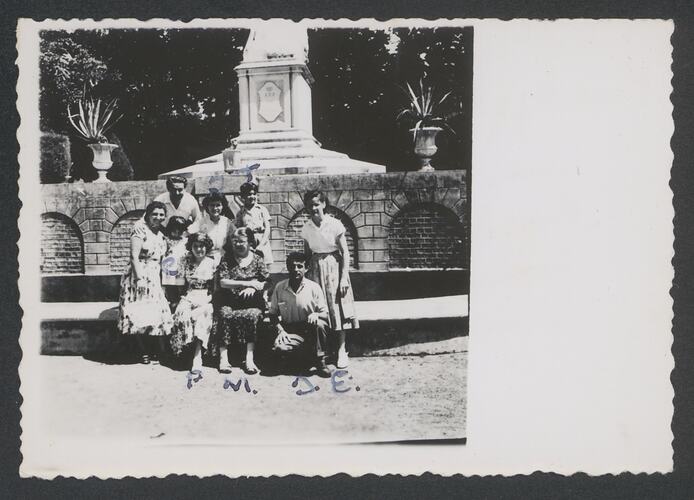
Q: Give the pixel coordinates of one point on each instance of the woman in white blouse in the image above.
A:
(216, 222)
(325, 242)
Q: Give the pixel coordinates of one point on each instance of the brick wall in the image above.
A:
(94, 208)
(61, 245)
(426, 236)
(377, 210)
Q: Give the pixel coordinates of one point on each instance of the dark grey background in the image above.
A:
(676, 485)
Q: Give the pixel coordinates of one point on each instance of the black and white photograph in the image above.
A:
(255, 234)
(257, 247)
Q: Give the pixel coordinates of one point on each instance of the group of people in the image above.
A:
(198, 282)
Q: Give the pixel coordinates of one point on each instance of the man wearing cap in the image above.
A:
(178, 201)
(300, 315)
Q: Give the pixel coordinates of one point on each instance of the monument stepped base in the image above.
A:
(282, 162)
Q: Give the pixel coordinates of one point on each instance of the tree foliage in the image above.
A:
(363, 94)
(177, 90)
(65, 67)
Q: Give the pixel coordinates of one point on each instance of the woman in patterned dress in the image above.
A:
(326, 242)
(239, 299)
(216, 222)
(257, 218)
(192, 320)
(143, 308)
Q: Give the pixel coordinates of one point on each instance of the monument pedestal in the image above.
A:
(275, 118)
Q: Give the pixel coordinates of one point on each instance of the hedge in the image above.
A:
(55, 157)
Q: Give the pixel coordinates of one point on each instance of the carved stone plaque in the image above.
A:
(270, 101)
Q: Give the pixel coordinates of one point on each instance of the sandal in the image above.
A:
(224, 367)
(250, 371)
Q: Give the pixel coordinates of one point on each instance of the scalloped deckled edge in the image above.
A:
(31, 208)
(28, 90)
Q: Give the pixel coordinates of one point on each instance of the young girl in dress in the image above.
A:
(193, 317)
(326, 242)
(257, 218)
(172, 265)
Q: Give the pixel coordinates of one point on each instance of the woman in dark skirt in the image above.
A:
(239, 302)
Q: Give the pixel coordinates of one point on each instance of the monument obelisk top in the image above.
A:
(278, 39)
(275, 112)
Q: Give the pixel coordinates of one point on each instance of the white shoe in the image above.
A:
(197, 364)
(342, 358)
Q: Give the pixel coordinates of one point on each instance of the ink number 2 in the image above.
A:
(193, 377)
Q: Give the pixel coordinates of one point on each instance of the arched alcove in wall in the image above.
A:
(62, 245)
(294, 243)
(426, 236)
(119, 247)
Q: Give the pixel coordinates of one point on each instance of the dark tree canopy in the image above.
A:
(359, 89)
(178, 92)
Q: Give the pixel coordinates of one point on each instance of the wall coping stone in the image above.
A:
(105, 189)
(337, 182)
(76, 192)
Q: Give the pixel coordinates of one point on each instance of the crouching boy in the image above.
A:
(299, 314)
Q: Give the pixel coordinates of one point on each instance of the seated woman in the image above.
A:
(193, 316)
(239, 299)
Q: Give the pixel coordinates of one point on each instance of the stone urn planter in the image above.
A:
(425, 146)
(102, 159)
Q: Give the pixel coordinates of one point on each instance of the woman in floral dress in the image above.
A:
(143, 308)
(192, 320)
(325, 241)
(239, 299)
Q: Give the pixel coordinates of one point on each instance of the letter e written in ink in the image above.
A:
(339, 383)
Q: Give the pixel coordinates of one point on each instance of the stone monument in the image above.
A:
(276, 129)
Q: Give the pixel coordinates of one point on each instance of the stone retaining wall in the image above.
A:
(394, 220)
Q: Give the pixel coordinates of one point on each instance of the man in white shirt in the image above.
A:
(300, 303)
(178, 201)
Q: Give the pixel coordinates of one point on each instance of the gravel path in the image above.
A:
(387, 398)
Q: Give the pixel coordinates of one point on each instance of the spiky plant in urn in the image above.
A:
(426, 119)
(92, 119)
